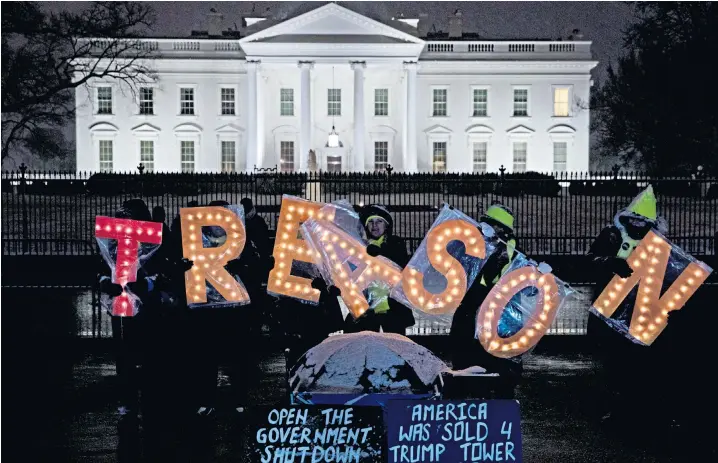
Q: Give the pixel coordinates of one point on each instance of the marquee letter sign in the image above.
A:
(209, 262)
(445, 296)
(537, 309)
(347, 266)
(128, 234)
(290, 247)
(649, 261)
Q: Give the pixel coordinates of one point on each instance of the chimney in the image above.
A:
(252, 21)
(423, 26)
(455, 25)
(577, 35)
(214, 23)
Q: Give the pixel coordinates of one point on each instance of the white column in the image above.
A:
(252, 127)
(410, 155)
(305, 133)
(358, 150)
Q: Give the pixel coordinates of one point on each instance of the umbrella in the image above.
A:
(367, 362)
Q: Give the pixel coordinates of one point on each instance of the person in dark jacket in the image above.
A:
(257, 230)
(226, 334)
(387, 314)
(127, 332)
(466, 349)
(623, 361)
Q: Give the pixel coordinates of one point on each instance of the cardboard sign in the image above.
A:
(453, 431)
(313, 434)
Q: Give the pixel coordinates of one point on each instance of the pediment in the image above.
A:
(562, 129)
(520, 130)
(103, 127)
(331, 23)
(437, 129)
(230, 128)
(145, 128)
(188, 128)
(479, 129)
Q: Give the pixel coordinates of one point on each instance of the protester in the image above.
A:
(226, 334)
(257, 230)
(466, 349)
(386, 314)
(127, 332)
(624, 361)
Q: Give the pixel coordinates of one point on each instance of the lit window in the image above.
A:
(560, 102)
(228, 101)
(520, 154)
(105, 154)
(104, 100)
(286, 104)
(334, 164)
(229, 155)
(381, 155)
(481, 102)
(147, 101)
(560, 156)
(440, 98)
(521, 102)
(286, 156)
(480, 157)
(147, 155)
(381, 102)
(439, 156)
(187, 156)
(186, 101)
(334, 101)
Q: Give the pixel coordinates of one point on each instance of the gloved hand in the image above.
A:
(334, 291)
(138, 287)
(544, 268)
(373, 250)
(186, 264)
(110, 288)
(234, 267)
(621, 268)
(319, 284)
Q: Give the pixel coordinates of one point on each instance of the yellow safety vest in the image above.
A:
(510, 248)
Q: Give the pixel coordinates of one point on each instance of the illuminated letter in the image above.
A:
(340, 252)
(209, 262)
(289, 247)
(546, 305)
(650, 313)
(129, 234)
(439, 236)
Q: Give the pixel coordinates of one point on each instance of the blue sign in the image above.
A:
(453, 431)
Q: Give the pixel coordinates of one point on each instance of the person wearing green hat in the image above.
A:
(386, 314)
(621, 358)
(497, 224)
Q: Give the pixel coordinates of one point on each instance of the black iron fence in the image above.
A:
(52, 213)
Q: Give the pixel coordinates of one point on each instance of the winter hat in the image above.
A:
(134, 209)
(498, 213)
(644, 204)
(375, 211)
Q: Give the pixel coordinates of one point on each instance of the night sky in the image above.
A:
(601, 22)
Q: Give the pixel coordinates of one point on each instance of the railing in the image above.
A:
(165, 45)
(53, 214)
(493, 49)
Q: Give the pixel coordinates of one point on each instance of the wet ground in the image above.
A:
(60, 399)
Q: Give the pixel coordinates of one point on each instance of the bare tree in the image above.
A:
(46, 56)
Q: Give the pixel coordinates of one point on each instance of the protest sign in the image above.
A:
(125, 245)
(666, 277)
(313, 434)
(453, 431)
(212, 236)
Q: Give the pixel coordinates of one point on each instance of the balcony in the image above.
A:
(153, 47)
(506, 50)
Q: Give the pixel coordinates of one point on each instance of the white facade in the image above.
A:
(421, 106)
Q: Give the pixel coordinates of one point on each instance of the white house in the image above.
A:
(360, 93)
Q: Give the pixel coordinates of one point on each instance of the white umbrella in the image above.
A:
(367, 362)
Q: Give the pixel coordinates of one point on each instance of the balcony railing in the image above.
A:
(508, 49)
(161, 46)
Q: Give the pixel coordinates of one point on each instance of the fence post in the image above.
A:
(389, 170)
(141, 168)
(616, 168)
(23, 207)
(502, 172)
